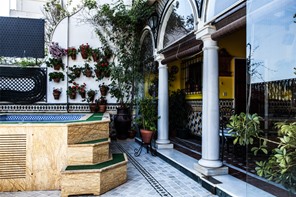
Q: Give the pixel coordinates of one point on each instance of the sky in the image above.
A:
(4, 8)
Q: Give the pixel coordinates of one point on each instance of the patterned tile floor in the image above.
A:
(148, 176)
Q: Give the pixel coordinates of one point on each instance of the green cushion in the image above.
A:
(117, 158)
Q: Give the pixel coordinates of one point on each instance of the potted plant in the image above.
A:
(103, 89)
(102, 68)
(81, 90)
(85, 51)
(87, 70)
(56, 76)
(91, 95)
(147, 118)
(96, 54)
(56, 51)
(72, 90)
(101, 104)
(72, 52)
(75, 73)
(55, 63)
(56, 93)
(179, 111)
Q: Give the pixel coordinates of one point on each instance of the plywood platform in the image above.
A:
(94, 179)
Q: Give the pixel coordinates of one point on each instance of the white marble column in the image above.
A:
(163, 105)
(210, 103)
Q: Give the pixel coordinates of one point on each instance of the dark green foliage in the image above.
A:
(179, 110)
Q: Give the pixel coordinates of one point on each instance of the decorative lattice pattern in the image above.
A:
(51, 108)
(41, 118)
(23, 85)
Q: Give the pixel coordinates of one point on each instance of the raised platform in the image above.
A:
(94, 179)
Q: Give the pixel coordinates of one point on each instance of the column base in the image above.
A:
(158, 141)
(164, 146)
(211, 171)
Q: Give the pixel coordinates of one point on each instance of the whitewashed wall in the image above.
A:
(71, 32)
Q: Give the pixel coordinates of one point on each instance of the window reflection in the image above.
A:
(180, 23)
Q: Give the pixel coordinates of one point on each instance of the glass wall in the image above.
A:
(271, 61)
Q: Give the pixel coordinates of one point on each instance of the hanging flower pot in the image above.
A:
(57, 66)
(57, 80)
(56, 76)
(98, 73)
(87, 70)
(55, 63)
(85, 51)
(77, 73)
(72, 95)
(88, 73)
(56, 93)
(73, 56)
(103, 89)
(82, 94)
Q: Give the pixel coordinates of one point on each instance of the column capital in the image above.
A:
(205, 32)
(159, 57)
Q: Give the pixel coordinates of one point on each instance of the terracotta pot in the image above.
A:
(73, 95)
(57, 80)
(56, 95)
(102, 108)
(82, 94)
(88, 73)
(57, 67)
(146, 136)
(84, 55)
(103, 91)
(95, 57)
(93, 107)
(98, 73)
(77, 73)
(73, 57)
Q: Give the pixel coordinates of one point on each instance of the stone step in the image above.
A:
(94, 179)
(89, 152)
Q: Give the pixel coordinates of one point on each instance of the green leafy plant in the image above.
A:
(244, 128)
(86, 69)
(281, 165)
(91, 95)
(122, 25)
(51, 62)
(148, 114)
(56, 75)
(179, 111)
(73, 89)
(75, 72)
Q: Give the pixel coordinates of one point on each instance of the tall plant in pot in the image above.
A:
(123, 25)
(147, 118)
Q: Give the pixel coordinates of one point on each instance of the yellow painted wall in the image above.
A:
(235, 44)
